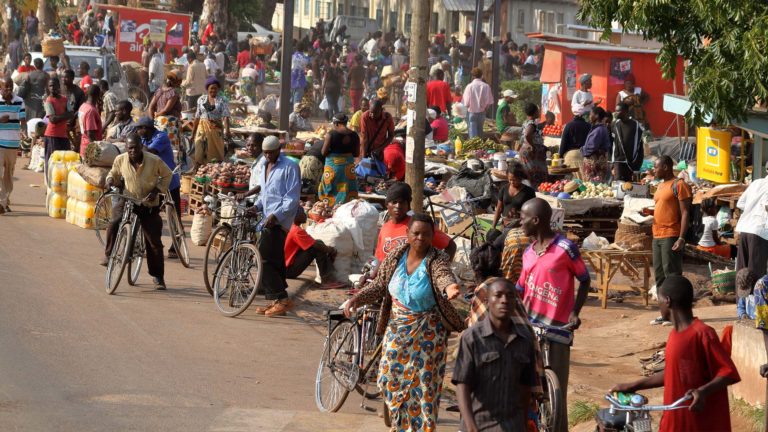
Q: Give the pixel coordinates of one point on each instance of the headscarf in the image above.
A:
(211, 81)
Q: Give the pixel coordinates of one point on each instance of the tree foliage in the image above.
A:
(724, 41)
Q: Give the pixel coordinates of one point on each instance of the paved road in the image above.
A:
(73, 358)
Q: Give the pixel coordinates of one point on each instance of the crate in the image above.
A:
(186, 184)
(200, 189)
(215, 190)
(195, 202)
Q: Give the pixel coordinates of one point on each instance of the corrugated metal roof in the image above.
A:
(601, 47)
(465, 5)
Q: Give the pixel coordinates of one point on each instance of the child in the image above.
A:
(696, 364)
(301, 249)
(710, 239)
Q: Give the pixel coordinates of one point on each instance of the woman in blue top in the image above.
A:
(596, 148)
(412, 285)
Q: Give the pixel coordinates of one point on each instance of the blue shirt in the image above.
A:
(280, 192)
(598, 141)
(413, 291)
(160, 144)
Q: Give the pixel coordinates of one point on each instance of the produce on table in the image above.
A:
(226, 174)
(555, 187)
(480, 148)
(594, 190)
(320, 211)
(552, 130)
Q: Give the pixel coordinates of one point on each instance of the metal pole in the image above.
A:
(496, 52)
(417, 110)
(478, 28)
(285, 61)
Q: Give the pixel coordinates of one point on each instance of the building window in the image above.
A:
(317, 9)
(521, 20)
(392, 19)
(353, 10)
(328, 9)
(545, 21)
(454, 22)
(379, 17)
(407, 24)
(434, 22)
(560, 23)
(366, 12)
(340, 10)
(306, 7)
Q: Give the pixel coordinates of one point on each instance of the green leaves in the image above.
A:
(722, 41)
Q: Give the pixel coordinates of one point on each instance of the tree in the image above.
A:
(47, 13)
(723, 42)
(218, 11)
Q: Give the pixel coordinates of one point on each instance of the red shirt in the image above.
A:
(56, 106)
(90, 120)
(394, 159)
(78, 36)
(376, 132)
(694, 357)
(25, 68)
(297, 240)
(86, 82)
(439, 94)
(206, 33)
(244, 58)
(440, 129)
(393, 235)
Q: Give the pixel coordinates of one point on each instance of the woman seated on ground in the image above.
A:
(411, 284)
(710, 239)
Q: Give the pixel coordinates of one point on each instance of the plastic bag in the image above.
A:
(324, 104)
(361, 219)
(593, 242)
(334, 234)
(201, 229)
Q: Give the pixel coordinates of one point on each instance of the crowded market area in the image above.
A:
(554, 192)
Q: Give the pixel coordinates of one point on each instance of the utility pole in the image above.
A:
(478, 28)
(285, 61)
(417, 102)
(496, 51)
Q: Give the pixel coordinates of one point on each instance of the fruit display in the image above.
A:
(574, 189)
(479, 148)
(552, 130)
(226, 174)
(320, 211)
(552, 188)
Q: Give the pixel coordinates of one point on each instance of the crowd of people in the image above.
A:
(498, 369)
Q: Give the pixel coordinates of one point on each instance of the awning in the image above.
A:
(466, 5)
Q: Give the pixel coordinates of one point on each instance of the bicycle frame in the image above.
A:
(541, 331)
(463, 208)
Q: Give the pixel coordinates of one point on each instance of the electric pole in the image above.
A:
(416, 90)
(479, 6)
(496, 52)
(286, 108)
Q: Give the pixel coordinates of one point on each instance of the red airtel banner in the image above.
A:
(134, 25)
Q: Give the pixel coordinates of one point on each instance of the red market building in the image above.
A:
(565, 62)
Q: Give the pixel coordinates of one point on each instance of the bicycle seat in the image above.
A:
(336, 315)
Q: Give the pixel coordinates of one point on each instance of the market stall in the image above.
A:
(608, 263)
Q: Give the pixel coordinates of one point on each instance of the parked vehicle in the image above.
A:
(357, 27)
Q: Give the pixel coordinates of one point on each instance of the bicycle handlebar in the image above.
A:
(678, 404)
(119, 194)
(546, 327)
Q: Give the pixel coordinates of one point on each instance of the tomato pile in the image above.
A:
(552, 130)
(552, 187)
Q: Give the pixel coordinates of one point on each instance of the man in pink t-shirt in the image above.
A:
(550, 264)
(89, 119)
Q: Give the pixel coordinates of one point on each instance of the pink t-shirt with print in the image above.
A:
(546, 281)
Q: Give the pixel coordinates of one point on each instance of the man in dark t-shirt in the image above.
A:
(627, 155)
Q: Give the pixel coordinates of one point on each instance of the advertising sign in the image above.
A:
(713, 155)
(134, 25)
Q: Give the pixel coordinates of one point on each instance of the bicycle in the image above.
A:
(457, 211)
(102, 218)
(128, 249)
(350, 359)
(238, 273)
(637, 416)
(219, 241)
(549, 408)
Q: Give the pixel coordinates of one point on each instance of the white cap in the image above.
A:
(509, 93)
(431, 113)
(270, 143)
(489, 54)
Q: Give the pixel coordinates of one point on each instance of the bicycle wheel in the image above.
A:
(332, 382)
(219, 242)
(367, 386)
(177, 235)
(102, 216)
(551, 406)
(136, 258)
(237, 277)
(118, 258)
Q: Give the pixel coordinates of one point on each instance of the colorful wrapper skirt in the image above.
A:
(339, 182)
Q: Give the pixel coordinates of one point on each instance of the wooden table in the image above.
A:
(608, 262)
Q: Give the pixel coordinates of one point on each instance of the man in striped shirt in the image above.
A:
(12, 127)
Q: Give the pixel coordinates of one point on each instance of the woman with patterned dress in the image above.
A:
(165, 107)
(533, 154)
(339, 181)
(211, 124)
(415, 320)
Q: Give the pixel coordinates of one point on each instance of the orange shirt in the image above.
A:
(666, 215)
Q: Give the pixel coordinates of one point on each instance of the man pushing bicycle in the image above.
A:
(143, 177)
